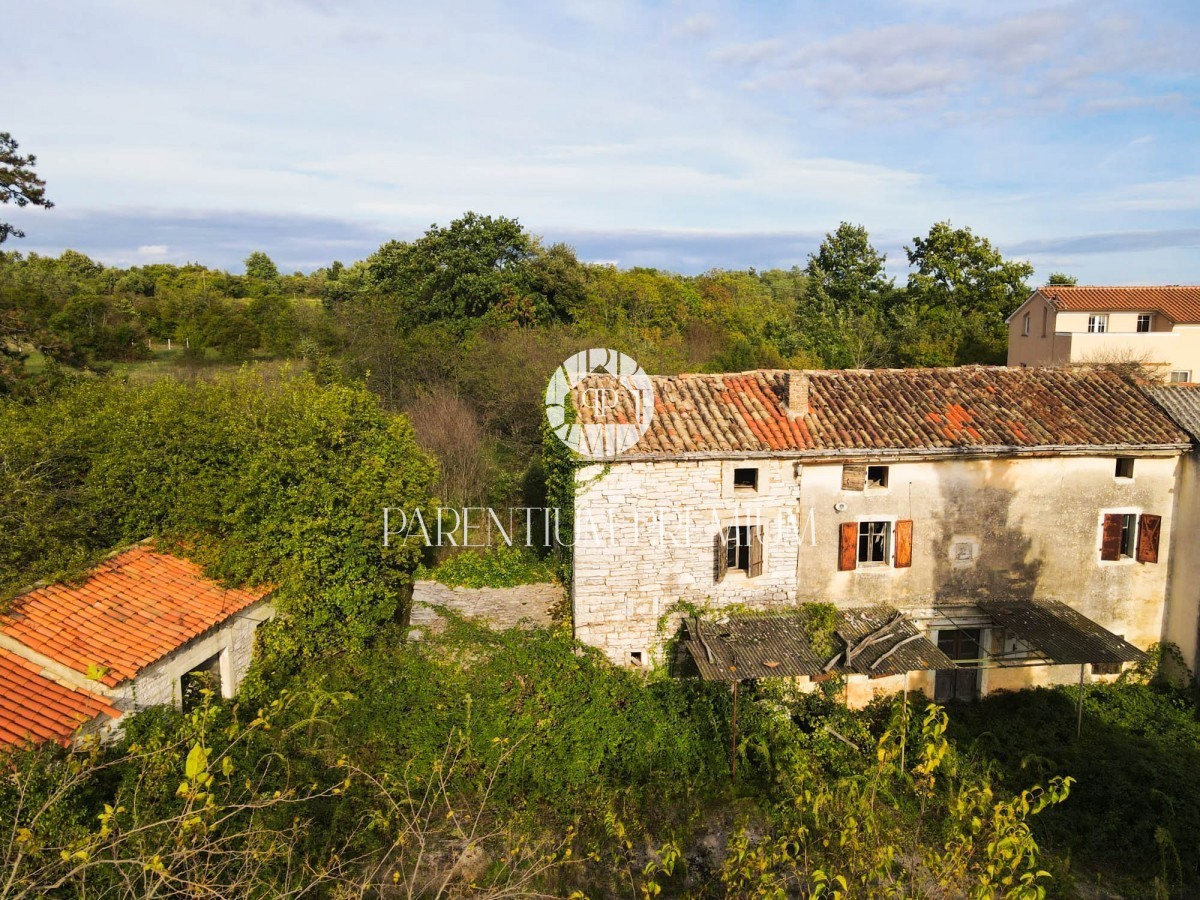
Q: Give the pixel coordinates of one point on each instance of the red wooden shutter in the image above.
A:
(904, 543)
(1149, 528)
(756, 551)
(1110, 542)
(848, 550)
(720, 557)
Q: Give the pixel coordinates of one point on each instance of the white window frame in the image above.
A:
(1098, 323)
(1149, 317)
(1186, 379)
(889, 563)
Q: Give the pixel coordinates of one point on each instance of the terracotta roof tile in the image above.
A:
(32, 707)
(1179, 303)
(945, 409)
(132, 610)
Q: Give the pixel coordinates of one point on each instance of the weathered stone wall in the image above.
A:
(1030, 526)
(501, 608)
(160, 683)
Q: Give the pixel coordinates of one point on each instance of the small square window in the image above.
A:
(1125, 467)
(1097, 324)
(877, 476)
(874, 543)
(964, 551)
(1181, 377)
(746, 478)
(635, 658)
(1144, 323)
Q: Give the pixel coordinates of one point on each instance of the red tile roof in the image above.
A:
(32, 707)
(977, 408)
(132, 610)
(1179, 303)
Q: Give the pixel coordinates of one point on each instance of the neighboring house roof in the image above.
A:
(132, 610)
(1182, 403)
(936, 411)
(32, 707)
(1179, 303)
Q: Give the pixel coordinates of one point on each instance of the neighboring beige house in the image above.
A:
(143, 629)
(1182, 403)
(1157, 327)
(980, 527)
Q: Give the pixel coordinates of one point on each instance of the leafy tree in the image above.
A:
(260, 267)
(19, 183)
(1063, 279)
(845, 301)
(458, 272)
(964, 275)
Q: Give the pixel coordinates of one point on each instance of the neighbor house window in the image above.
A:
(1182, 376)
(739, 547)
(1130, 535)
(1144, 322)
(746, 479)
(877, 476)
(1125, 467)
(1097, 324)
(1025, 326)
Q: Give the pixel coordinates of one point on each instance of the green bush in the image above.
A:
(496, 567)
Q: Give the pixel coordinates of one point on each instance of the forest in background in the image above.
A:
(461, 327)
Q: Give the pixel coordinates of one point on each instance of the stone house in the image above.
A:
(144, 628)
(920, 497)
(1156, 327)
(1182, 403)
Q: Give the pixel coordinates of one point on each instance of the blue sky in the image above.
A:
(681, 135)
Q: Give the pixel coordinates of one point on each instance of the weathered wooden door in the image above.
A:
(961, 683)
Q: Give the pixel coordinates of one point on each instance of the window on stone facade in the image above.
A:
(874, 543)
(740, 547)
(635, 658)
(1130, 536)
(206, 676)
(1125, 467)
(745, 479)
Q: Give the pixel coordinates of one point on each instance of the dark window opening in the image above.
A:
(1128, 535)
(1125, 468)
(874, 540)
(877, 476)
(1143, 323)
(206, 676)
(737, 547)
(745, 478)
(635, 658)
(1106, 668)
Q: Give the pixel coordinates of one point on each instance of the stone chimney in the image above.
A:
(797, 394)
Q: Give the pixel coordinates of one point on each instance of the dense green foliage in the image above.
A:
(498, 566)
(1134, 814)
(267, 481)
(518, 763)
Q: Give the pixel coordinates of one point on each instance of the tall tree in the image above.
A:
(19, 184)
(845, 300)
(464, 270)
(261, 267)
(961, 278)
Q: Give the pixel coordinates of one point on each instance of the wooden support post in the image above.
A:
(733, 748)
(1079, 715)
(904, 724)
